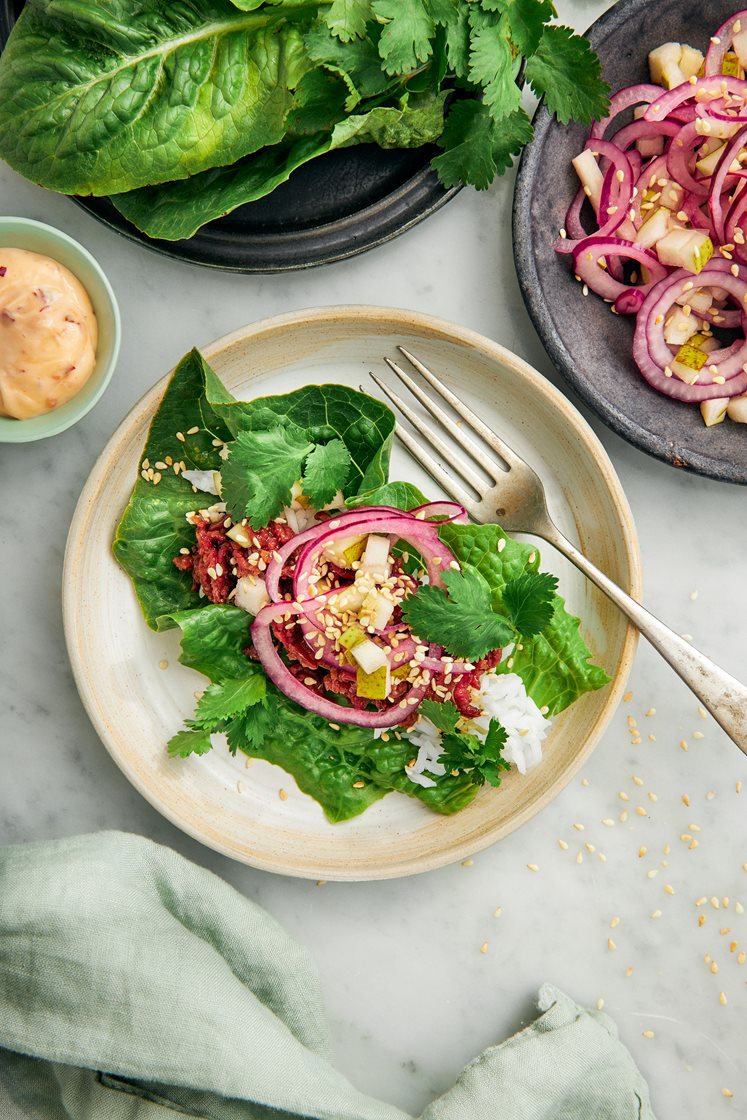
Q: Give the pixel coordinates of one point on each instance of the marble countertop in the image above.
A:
(410, 993)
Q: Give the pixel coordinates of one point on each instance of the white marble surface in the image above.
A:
(409, 992)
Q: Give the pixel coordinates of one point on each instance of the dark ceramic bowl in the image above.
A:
(590, 346)
(334, 207)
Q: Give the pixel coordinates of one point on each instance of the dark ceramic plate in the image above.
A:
(591, 347)
(335, 207)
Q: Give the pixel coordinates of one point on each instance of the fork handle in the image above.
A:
(723, 696)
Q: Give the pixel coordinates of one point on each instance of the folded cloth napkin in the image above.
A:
(137, 986)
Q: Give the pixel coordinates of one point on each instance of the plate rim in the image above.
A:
(372, 316)
(529, 285)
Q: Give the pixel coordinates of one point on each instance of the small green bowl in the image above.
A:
(24, 233)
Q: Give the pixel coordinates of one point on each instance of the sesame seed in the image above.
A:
(628, 971)
(611, 946)
(579, 827)
(623, 796)
(701, 920)
(641, 811)
(722, 999)
(739, 908)
(282, 795)
(627, 696)
(533, 866)
(601, 857)
(685, 799)
(501, 544)
(623, 816)
(669, 888)
(614, 922)
(608, 822)
(359, 785)
(683, 745)
(468, 863)
(656, 914)
(180, 436)
(484, 947)
(652, 873)
(652, 796)
(641, 852)
(741, 957)
(648, 1034)
(638, 781)
(562, 844)
(498, 911)
(702, 713)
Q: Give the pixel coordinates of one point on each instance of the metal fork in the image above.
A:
(515, 497)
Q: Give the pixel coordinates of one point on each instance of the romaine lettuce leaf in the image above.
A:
(102, 98)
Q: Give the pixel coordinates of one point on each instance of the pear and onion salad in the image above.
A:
(669, 193)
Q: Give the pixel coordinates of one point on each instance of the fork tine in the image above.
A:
(435, 440)
(473, 449)
(436, 471)
(507, 453)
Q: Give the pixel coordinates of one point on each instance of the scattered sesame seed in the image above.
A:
(685, 800)
(533, 866)
(602, 857)
(722, 999)
(656, 914)
(562, 844)
(648, 1034)
(600, 1004)
(623, 816)
(623, 796)
(585, 782)
(741, 957)
(180, 436)
(628, 971)
(641, 811)
(590, 848)
(683, 745)
(739, 908)
(611, 946)
(638, 781)
(614, 922)
(579, 827)
(701, 920)
(652, 796)
(669, 888)
(641, 852)
(702, 713)
(282, 795)
(484, 947)
(359, 785)
(579, 857)
(468, 863)
(608, 822)
(498, 911)
(652, 873)
(627, 696)
(163, 663)
(714, 967)
(727, 1093)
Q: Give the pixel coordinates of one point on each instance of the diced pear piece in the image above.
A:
(739, 45)
(672, 196)
(587, 169)
(649, 145)
(655, 227)
(664, 65)
(716, 129)
(679, 327)
(698, 299)
(731, 66)
(369, 656)
(691, 61)
(707, 165)
(377, 610)
(683, 248)
(251, 594)
(689, 360)
(374, 686)
(375, 560)
(353, 636)
(736, 409)
(714, 410)
(339, 551)
(350, 599)
(241, 535)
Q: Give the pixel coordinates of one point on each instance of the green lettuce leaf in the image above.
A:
(88, 101)
(555, 665)
(197, 407)
(173, 211)
(567, 73)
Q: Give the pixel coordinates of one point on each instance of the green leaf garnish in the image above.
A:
(326, 471)
(529, 601)
(463, 622)
(221, 701)
(479, 761)
(408, 29)
(347, 18)
(444, 716)
(567, 73)
(476, 147)
(185, 743)
(260, 471)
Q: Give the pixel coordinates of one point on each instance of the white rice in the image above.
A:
(427, 738)
(502, 697)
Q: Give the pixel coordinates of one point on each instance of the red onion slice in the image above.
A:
(589, 251)
(721, 41)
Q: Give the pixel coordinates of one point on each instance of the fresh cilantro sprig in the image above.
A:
(464, 753)
(463, 619)
(220, 704)
(262, 466)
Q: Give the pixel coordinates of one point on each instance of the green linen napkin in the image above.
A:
(137, 986)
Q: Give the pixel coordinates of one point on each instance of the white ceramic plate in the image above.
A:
(136, 706)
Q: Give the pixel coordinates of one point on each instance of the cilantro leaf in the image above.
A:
(326, 471)
(463, 622)
(529, 601)
(476, 147)
(185, 743)
(479, 761)
(347, 18)
(493, 67)
(454, 18)
(408, 30)
(567, 73)
(260, 471)
(221, 701)
(526, 19)
(444, 716)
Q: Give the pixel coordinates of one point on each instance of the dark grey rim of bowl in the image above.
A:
(528, 176)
